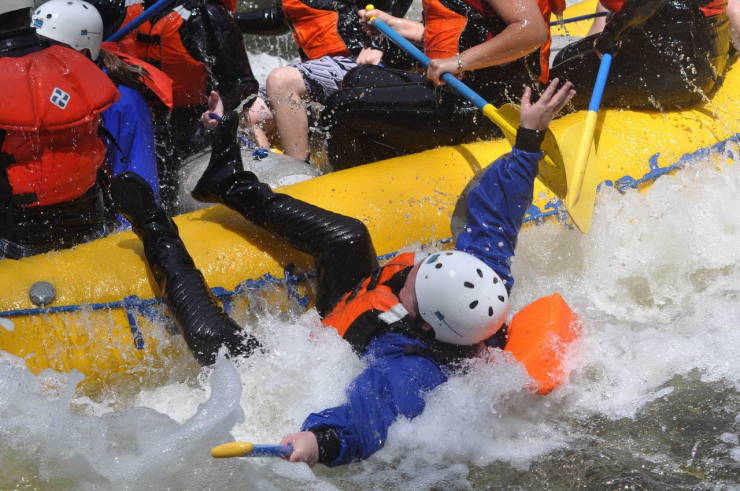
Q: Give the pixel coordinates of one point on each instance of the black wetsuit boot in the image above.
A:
(201, 320)
(341, 246)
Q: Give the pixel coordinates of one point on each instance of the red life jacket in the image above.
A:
(373, 304)
(443, 29)
(156, 80)
(714, 7)
(50, 112)
(315, 30)
(161, 45)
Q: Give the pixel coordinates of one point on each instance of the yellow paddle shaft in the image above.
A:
(584, 148)
(490, 111)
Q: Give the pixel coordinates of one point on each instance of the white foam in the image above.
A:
(7, 324)
(657, 284)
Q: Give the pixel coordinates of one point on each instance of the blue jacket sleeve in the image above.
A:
(130, 123)
(496, 209)
(392, 385)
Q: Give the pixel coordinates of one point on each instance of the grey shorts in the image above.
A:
(324, 76)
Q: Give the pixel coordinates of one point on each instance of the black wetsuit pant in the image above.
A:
(341, 246)
(178, 135)
(675, 60)
(382, 113)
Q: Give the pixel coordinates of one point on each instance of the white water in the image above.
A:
(657, 283)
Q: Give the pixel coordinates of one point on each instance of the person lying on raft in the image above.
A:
(411, 319)
(382, 113)
(331, 43)
(669, 54)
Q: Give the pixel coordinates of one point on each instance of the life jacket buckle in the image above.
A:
(148, 38)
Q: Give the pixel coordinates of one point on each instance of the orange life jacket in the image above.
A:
(372, 298)
(714, 7)
(547, 7)
(443, 29)
(158, 82)
(315, 30)
(538, 335)
(50, 113)
(161, 45)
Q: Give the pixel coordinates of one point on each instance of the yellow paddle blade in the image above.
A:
(552, 167)
(232, 449)
(583, 177)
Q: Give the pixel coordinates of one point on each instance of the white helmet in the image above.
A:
(461, 297)
(11, 5)
(72, 22)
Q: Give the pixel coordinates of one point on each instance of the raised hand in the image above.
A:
(215, 106)
(537, 116)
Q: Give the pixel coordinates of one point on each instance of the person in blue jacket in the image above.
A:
(128, 122)
(412, 320)
(131, 147)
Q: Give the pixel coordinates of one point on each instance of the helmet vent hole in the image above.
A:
(473, 304)
(448, 253)
(48, 16)
(495, 280)
(501, 298)
(469, 285)
(480, 273)
(490, 311)
(438, 265)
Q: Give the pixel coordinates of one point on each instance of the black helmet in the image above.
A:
(112, 12)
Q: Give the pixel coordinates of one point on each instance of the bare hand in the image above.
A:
(215, 106)
(537, 116)
(440, 66)
(369, 56)
(366, 15)
(305, 447)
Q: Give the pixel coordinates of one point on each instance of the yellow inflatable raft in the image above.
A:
(104, 319)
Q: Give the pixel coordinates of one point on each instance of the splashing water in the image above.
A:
(653, 400)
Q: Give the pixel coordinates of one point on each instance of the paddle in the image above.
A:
(584, 180)
(578, 18)
(247, 449)
(554, 174)
(145, 16)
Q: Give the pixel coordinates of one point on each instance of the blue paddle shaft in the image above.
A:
(271, 451)
(145, 16)
(601, 77)
(579, 18)
(403, 43)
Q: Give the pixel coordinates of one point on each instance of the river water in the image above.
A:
(653, 401)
